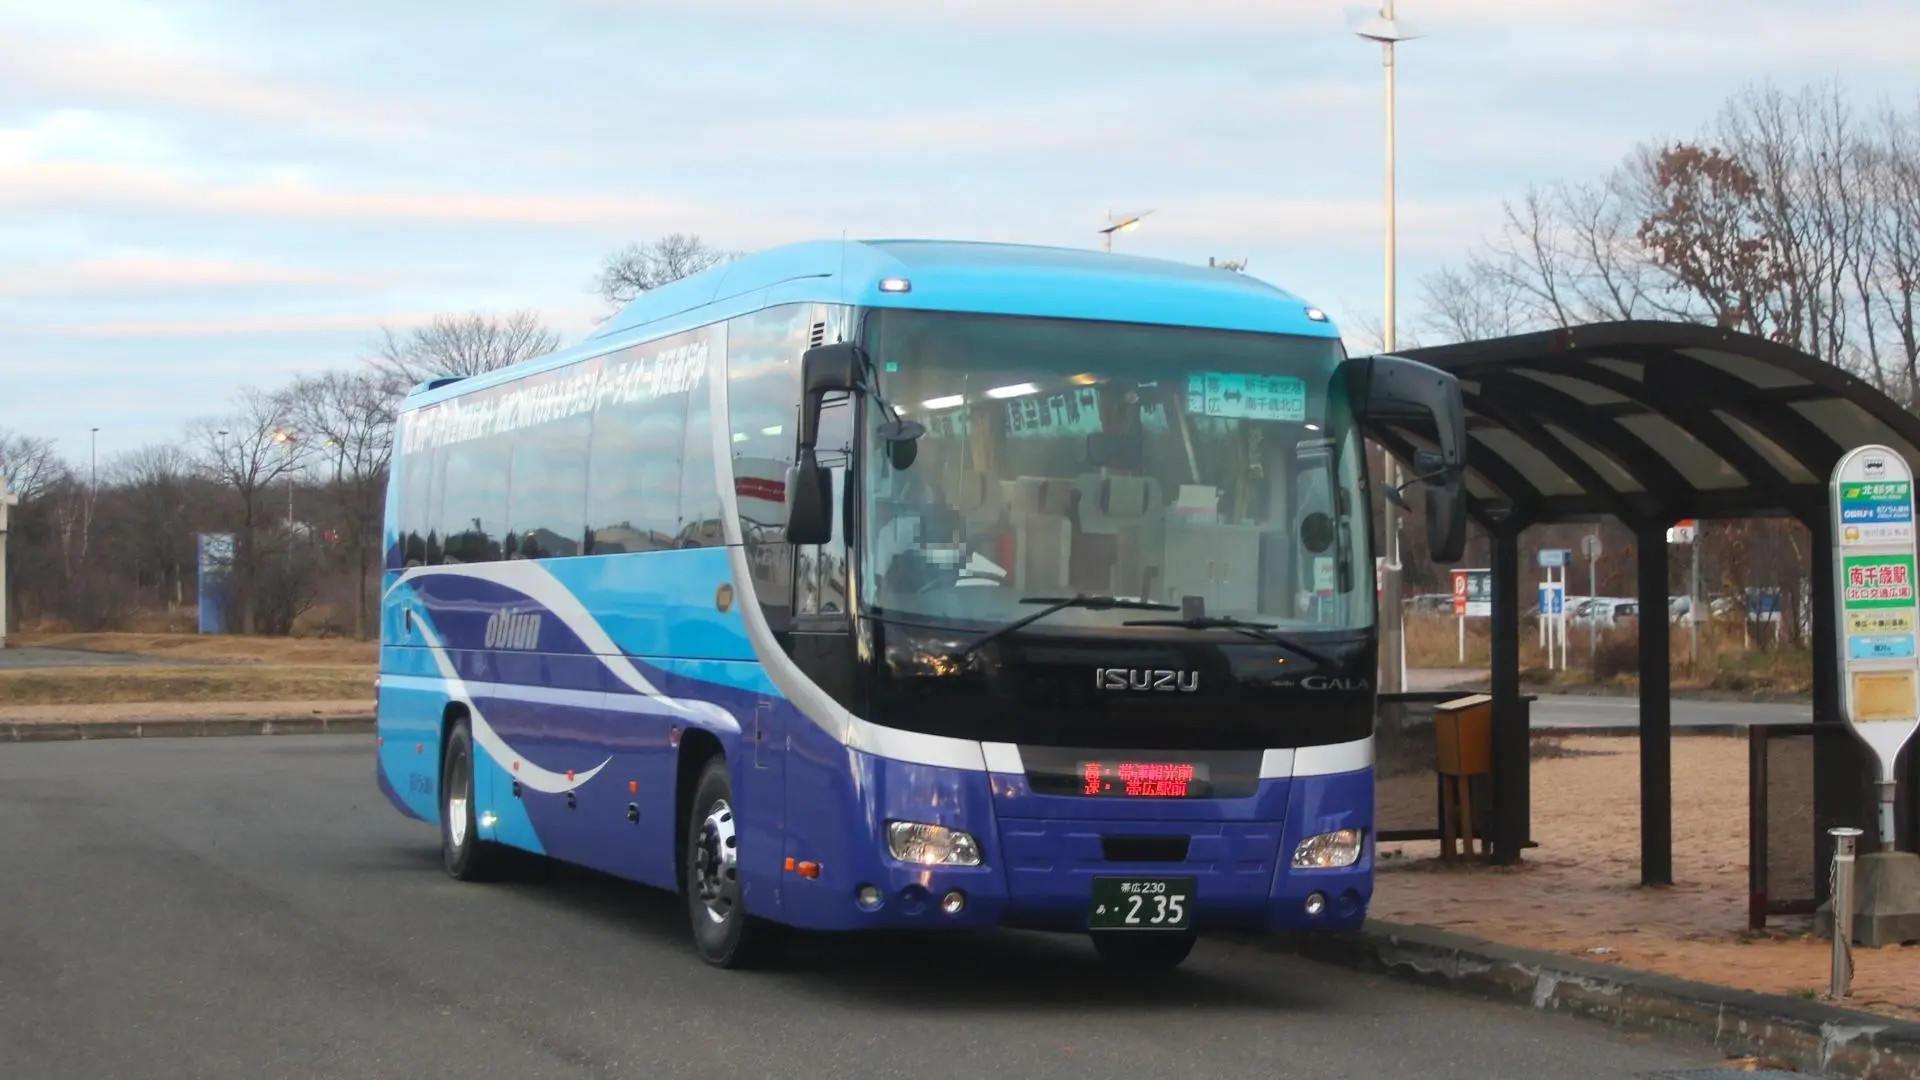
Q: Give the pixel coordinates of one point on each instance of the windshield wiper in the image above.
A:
(1061, 603)
(1261, 631)
(1215, 622)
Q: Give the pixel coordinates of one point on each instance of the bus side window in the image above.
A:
(416, 506)
(763, 402)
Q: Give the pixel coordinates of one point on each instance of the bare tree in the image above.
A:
(149, 527)
(639, 268)
(1367, 333)
(1889, 277)
(1470, 304)
(34, 473)
(31, 465)
(350, 418)
(247, 453)
(459, 345)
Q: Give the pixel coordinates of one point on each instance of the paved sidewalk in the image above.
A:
(1578, 894)
(165, 711)
(151, 720)
(38, 657)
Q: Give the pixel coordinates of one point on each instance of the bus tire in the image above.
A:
(723, 932)
(465, 856)
(1143, 950)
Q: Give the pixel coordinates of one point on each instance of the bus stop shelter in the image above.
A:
(1651, 423)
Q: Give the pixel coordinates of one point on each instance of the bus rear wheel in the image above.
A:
(723, 932)
(465, 856)
(1142, 950)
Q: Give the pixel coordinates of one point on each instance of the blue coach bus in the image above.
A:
(911, 584)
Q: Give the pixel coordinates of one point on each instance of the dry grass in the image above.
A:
(214, 648)
(185, 683)
(1726, 662)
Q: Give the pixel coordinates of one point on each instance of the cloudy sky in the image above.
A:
(200, 195)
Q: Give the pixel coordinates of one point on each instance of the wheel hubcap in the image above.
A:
(716, 864)
(459, 794)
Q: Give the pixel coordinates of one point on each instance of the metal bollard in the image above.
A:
(1842, 891)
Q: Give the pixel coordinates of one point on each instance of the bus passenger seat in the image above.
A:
(981, 501)
(1133, 503)
(1043, 537)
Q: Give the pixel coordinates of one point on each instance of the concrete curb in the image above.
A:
(1625, 730)
(1808, 1035)
(170, 729)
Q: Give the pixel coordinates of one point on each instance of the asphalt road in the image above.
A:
(1577, 711)
(1589, 710)
(250, 908)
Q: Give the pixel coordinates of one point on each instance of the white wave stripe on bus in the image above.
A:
(545, 781)
(532, 580)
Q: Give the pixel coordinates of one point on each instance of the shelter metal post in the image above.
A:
(1656, 712)
(1512, 748)
(1837, 776)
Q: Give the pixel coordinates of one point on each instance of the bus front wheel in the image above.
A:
(724, 933)
(1143, 950)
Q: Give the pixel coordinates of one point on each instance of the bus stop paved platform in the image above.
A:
(1577, 895)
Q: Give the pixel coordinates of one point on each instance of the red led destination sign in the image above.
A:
(1142, 779)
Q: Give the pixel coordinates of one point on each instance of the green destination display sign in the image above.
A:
(1871, 491)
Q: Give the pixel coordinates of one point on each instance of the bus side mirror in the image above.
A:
(809, 501)
(824, 369)
(1391, 388)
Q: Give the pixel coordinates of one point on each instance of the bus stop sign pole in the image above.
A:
(1877, 608)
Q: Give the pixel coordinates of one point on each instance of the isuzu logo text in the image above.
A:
(1119, 678)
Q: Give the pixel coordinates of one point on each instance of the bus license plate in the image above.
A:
(1141, 903)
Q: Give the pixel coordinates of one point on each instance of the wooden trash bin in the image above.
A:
(1463, 730)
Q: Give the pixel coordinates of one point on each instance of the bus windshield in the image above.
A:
(1215, 471)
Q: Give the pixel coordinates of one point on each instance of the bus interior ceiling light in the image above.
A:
(1016, 390)
(948, 402)
(895, 285)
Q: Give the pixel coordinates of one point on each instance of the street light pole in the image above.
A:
(7, 499)
(1126, 223)
(1393, 646)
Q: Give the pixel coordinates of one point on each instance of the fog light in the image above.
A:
(931, 845)
(868, 897)
(1329, 851)
(1316, 903)
(954, 902)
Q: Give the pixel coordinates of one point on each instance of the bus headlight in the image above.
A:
(931, 845)
(1329, 851)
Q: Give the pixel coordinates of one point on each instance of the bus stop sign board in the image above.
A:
(1873, 562)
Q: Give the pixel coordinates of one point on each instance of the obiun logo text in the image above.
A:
(513, 630)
